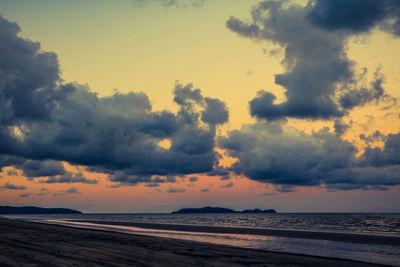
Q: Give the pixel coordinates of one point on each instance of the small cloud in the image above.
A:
(114, 185)
(43, 193)
(285, 188)
(175, 190)
(193, 179)
(225, 177)
(12, 172)
(228, 185)
(152, 185)
(69, 178)
(24, 195)
(268, 194)
(376, 187)
(171, 179)
(204, 190)
(12, 186)
(71, 190)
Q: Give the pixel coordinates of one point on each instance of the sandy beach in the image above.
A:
(36, 244)
(341, 237)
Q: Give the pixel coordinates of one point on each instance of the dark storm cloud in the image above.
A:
(283, 155)
(6, 160)
(216, 112)
(12, 186)
(388, 155)
(320, 80)
(34, 168)
(340, 127)
(28, 78)
(44, 121)
(356, 15)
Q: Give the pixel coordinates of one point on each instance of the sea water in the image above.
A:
(364, 223)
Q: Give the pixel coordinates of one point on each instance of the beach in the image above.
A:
(318, 235)
(29, 243)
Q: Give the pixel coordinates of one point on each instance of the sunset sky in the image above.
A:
(157, 105)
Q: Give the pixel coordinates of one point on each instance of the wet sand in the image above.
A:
(341, 237)
(37, 244)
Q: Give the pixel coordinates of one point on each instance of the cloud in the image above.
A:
(282, 155)
(12, 186)
(72, 190)
(285, 188)
(151, 180)
(340, 127)
(320, 81)
(69, 178)
(34, 168)
(204, 190)
(169, 3)
(389, 155)
(29, 78)
(357, 16)
(153, 185)
(44, 122)
(12, 172)
(193, 179)
(228, 185)
(175, 190)
(361, 96)
(377, 136)
(222, 172)
(215, 112)
(43, 191)
(68, 191)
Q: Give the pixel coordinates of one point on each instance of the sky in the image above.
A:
(157, 105)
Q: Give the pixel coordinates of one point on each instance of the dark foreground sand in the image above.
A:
(37, 244)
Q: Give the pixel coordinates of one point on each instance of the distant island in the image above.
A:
(220, 210)
(35, 210)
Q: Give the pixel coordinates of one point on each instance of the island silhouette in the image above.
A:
(36, 210)
(220, 210)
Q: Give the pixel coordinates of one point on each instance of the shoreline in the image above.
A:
(26, 243)
(330, 236)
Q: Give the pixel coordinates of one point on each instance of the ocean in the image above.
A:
(313, 227)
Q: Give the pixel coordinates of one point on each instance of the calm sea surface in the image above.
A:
(364, 223)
